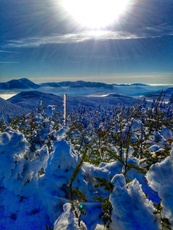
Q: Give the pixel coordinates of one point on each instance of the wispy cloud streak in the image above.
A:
(8, 62)
(7, 51)
(148, 32)
(69, 38)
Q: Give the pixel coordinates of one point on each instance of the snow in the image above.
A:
(166, 133)
(39, 157)
(131, 209)
(20, 203)
(67, 220)
(8, 110)
(53, 183)
(160, 177)
(7, 95)
(154, 148)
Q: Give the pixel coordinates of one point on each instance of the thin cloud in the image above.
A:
(69, 38)
(159, 30)
(7, 51)
(8, 62)
(148, 32)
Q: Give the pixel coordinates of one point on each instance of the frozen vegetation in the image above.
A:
(109, 168)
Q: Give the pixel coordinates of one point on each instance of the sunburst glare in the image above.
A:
(95, 13)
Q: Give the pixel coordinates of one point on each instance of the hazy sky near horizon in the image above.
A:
(43, 41)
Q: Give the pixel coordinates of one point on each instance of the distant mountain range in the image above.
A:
(77, 84)
(80, 93)
(82, 88)
(22, 83)
(25, 83)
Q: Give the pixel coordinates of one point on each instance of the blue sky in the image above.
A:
(41, 41)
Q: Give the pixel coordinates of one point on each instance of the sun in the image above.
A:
(95, 13)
